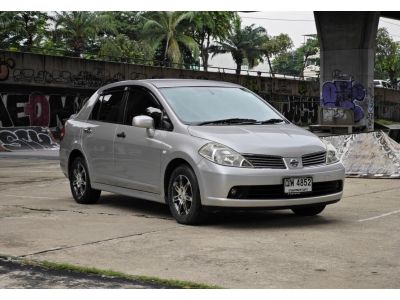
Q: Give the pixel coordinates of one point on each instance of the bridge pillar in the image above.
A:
(347, 43)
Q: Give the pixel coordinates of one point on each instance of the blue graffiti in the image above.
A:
(344, 93)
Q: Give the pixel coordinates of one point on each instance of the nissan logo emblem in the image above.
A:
(294, 163)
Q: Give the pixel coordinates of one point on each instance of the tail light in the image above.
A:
(62, 133)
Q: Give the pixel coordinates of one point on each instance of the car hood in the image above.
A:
(284, 140)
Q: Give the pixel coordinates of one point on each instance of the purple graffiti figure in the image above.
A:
(343, 93)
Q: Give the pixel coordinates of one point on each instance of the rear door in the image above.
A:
(99, 134)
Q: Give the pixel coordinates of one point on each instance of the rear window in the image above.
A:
(108, 107)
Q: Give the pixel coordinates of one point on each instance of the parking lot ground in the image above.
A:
(353, 244)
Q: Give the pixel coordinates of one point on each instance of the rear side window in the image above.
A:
(109, 107)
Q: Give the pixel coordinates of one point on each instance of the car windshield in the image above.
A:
(218, 105)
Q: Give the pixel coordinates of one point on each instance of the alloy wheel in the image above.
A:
(79, 182)
(182, 194)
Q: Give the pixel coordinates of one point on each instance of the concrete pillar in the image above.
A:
(347, 41)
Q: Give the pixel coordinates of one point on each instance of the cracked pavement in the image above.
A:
(352, 244)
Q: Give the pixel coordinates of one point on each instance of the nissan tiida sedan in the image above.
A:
(197, 146)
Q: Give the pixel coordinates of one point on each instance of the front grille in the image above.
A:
(313, 159)
(277, 191)
(265, 161)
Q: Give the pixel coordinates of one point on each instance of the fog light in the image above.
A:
(233, 192)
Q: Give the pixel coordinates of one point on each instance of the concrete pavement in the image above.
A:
(352, 244)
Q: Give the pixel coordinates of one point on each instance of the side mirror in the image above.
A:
(154, 112)
(143, 122)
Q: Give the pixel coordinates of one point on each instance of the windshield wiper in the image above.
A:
(272, 121)
(229, 121)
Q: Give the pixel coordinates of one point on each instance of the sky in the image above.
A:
(296, 24)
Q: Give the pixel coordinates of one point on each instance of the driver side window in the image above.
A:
(142, 102)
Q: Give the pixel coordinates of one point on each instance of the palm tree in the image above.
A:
(23, 30)
(244, 44)
(165, 28)
(78, 29)
(208, 26)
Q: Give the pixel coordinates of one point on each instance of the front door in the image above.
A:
(137, 155)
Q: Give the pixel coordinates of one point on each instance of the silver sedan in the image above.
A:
(198, 146)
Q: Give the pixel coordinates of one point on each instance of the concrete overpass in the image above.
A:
(347, 41)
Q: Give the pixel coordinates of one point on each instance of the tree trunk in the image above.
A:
(166, 51)
(270, 66)
(238, 68)
(205, 54)
(205, 59)
(304, 66)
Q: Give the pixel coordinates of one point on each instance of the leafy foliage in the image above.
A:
(22, 30)
(293, 62)
(276, 45)
(122, 48)
(387, 60)
(79, 30)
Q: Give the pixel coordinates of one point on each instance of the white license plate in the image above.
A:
(297, 185)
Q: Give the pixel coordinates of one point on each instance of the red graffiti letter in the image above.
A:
(38, 110)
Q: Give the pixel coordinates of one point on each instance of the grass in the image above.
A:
(385, 122)
(169, 283)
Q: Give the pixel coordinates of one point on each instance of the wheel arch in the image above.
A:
(172, 165)
(74, 154)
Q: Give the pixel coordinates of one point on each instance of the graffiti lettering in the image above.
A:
(299, 110)
(26, 139)
(37, 109)
(5, 66)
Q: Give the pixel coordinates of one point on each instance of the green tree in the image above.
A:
(79, 30)
(244, 44)
(289, 63)
(276, 45)
(129, 23)
(166, 29)
(207, 26)
(294, 62)
(22, 30)
(121, 47)
(310, 48)
(387, 59)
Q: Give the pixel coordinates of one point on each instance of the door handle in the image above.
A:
(121, 135)
(87, 130)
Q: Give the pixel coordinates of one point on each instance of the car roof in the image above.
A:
(163, 83)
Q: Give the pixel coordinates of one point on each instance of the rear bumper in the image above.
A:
(216, 181)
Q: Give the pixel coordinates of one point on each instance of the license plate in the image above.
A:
(297, 185)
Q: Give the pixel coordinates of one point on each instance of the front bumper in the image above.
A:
(216, 181)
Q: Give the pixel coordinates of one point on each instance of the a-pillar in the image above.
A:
(347, 43)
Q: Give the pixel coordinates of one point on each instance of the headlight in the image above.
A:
(331, 153)
(223, 155)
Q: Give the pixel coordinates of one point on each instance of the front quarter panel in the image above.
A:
(180, 146)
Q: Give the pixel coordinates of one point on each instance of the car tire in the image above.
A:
(79, 181)
(183, 186)
(308, 211)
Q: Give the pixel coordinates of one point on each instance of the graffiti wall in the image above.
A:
(38, 109)
(75, 79)
(65, 72)
(26, 138)
(297, 109)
